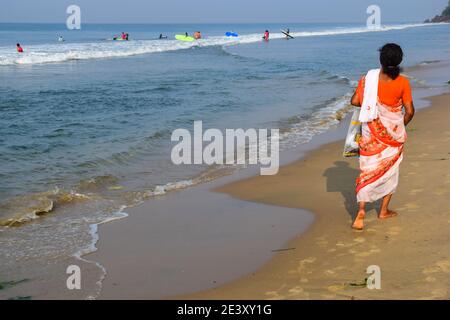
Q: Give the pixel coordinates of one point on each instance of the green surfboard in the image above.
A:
(182, 37)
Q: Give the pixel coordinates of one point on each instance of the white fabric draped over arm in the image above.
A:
(369, 110)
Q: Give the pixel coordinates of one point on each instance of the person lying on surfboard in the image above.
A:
(162, 37)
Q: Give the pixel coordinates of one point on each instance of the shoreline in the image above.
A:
(293, 225)
(330, 260)
(141, 294)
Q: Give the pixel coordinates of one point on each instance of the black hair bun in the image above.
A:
(391, 56)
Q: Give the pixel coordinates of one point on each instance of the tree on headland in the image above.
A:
(444, 17)
(446, 12)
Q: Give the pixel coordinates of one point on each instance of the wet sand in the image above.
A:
(330, 260)
(190, 240)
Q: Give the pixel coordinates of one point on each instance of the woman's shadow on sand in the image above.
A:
(342, 178)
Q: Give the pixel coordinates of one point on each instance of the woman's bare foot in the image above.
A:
(358, 224)
(387, 214)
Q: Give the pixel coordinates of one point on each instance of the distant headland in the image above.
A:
(444, 17)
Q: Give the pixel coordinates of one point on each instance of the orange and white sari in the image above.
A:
(381, 152)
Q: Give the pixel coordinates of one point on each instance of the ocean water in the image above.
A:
(85, 125)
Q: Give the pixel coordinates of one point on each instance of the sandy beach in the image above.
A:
(329, 261)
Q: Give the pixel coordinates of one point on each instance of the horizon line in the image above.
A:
(179, 23)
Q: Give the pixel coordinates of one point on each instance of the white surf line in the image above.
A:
(329, 32)
(354, 30)
(93, 231)
(119, 215)
(41, 54)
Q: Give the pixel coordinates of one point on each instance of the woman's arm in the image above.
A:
(355, 100)
(409, 112)
(358, 95)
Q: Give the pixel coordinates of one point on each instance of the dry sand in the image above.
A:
(330, 260)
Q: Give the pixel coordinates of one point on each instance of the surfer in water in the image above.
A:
(287, 33)
(197, 35)
(161, 36)
(124, 36)
(60, 39)
(19, 48)
(266, 35)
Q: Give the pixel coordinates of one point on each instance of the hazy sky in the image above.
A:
(206, 11)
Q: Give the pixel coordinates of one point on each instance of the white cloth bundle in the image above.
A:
(369, 109)
(351, 147)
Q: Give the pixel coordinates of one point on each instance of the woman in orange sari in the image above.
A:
(382, 140)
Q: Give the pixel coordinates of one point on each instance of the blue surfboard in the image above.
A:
(231, 34)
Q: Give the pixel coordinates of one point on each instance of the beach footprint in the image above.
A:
(440, 191)
(414, 192)
(304, 264)
(273, 295)
(410, 207)
(359, 240)
(440, 293)
(415, 164)
(367, 253)
(442, 266)
(297, 292)
(341, 244)
(423, 155)
(393, 231)
(336, 288)
(322, 241)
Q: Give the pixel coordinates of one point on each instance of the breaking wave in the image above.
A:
(54, 53)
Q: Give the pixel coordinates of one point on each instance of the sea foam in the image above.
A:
(54, 53)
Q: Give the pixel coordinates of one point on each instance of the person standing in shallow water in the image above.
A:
(382, 140)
